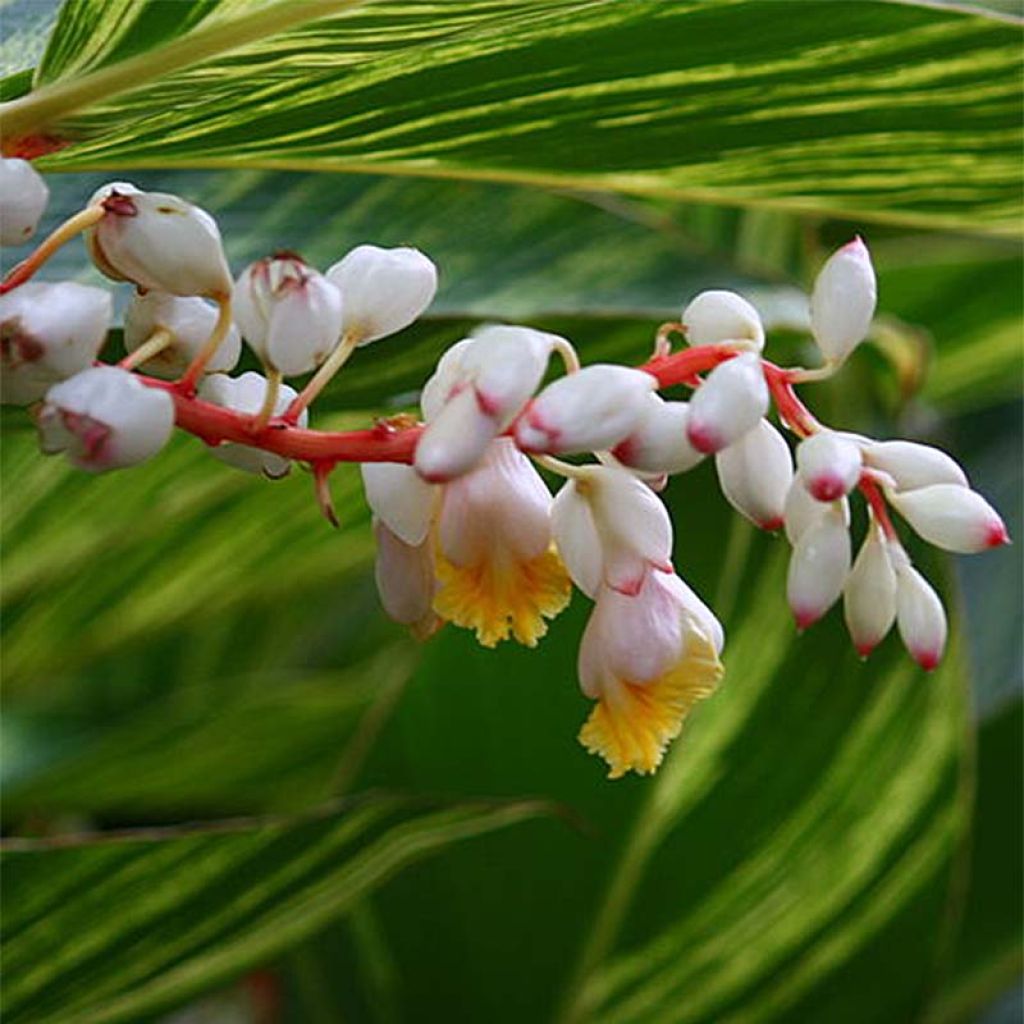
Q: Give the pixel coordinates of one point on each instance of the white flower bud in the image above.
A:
(158, 241)
(448, 378)
(23, 198)
(869, 597)
(403, 501)
(289, 313)
(48, 332)
(755, 474)
(590, 410)
(818, 566)
(405, 581)
(801, 511)
(913, 465)
(843, 301)
(828, 465)
(920, 617)
(382, 290)
(190, 320)
(105, 418)
(730, 402)
(658, 443)
(717, 316)
(245, 394)
(952, 517)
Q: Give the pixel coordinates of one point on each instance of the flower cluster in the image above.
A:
(468, 530)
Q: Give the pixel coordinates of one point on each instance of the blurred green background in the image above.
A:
(327, 822)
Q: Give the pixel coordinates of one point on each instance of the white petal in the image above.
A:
(691, 602)
(869, 598)
(755, 474)
(447, 378)
(801, 511)
(590, 410)
(716, 316)
(576, 537)
(730, 402)
(920, 617)
(400, 498)
(658, 443)
(829, 465)
(383, 290)
(455, 440)
(818, 567)
(23, 198)
(952, 517)
(405, 577)
(843, 301)
(913, 465)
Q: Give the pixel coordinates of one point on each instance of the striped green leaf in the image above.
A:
(871, 110)
(116, 928)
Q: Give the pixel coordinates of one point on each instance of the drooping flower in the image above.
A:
(190, 321)
(245, 394)
(920, 617)
(952, 517)
(158, 241)
(49, 332)
(658, 442)
(732, 400)
(23, 198)
(382, 290)
(911, 465)
(869, 595)
(105, 418)
(755, 474)
(819, 565)
(497, 571)
(646, 659)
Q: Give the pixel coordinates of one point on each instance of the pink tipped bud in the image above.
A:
(49, 332)
(818, 567)
(755, 474)
(729, 403)
(914, 465)
(105, 418)
(801, 511)
(920, 617)
(288, 313)
(23, 198)
(590, 410)
(717, 316)
(829, 465)
(869, 597)
(843, 301)
(659, 444)
(158, 241)
(952, 517)
(382, 290)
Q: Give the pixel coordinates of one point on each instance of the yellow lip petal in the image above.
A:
(633, 723)
(501, 597)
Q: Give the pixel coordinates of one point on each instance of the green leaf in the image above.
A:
(117, 928)
(876, 111)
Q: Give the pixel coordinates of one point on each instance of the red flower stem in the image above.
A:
(874, 497)
(390, 443)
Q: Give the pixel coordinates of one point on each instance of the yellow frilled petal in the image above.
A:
(499, 597)
(633, 724)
